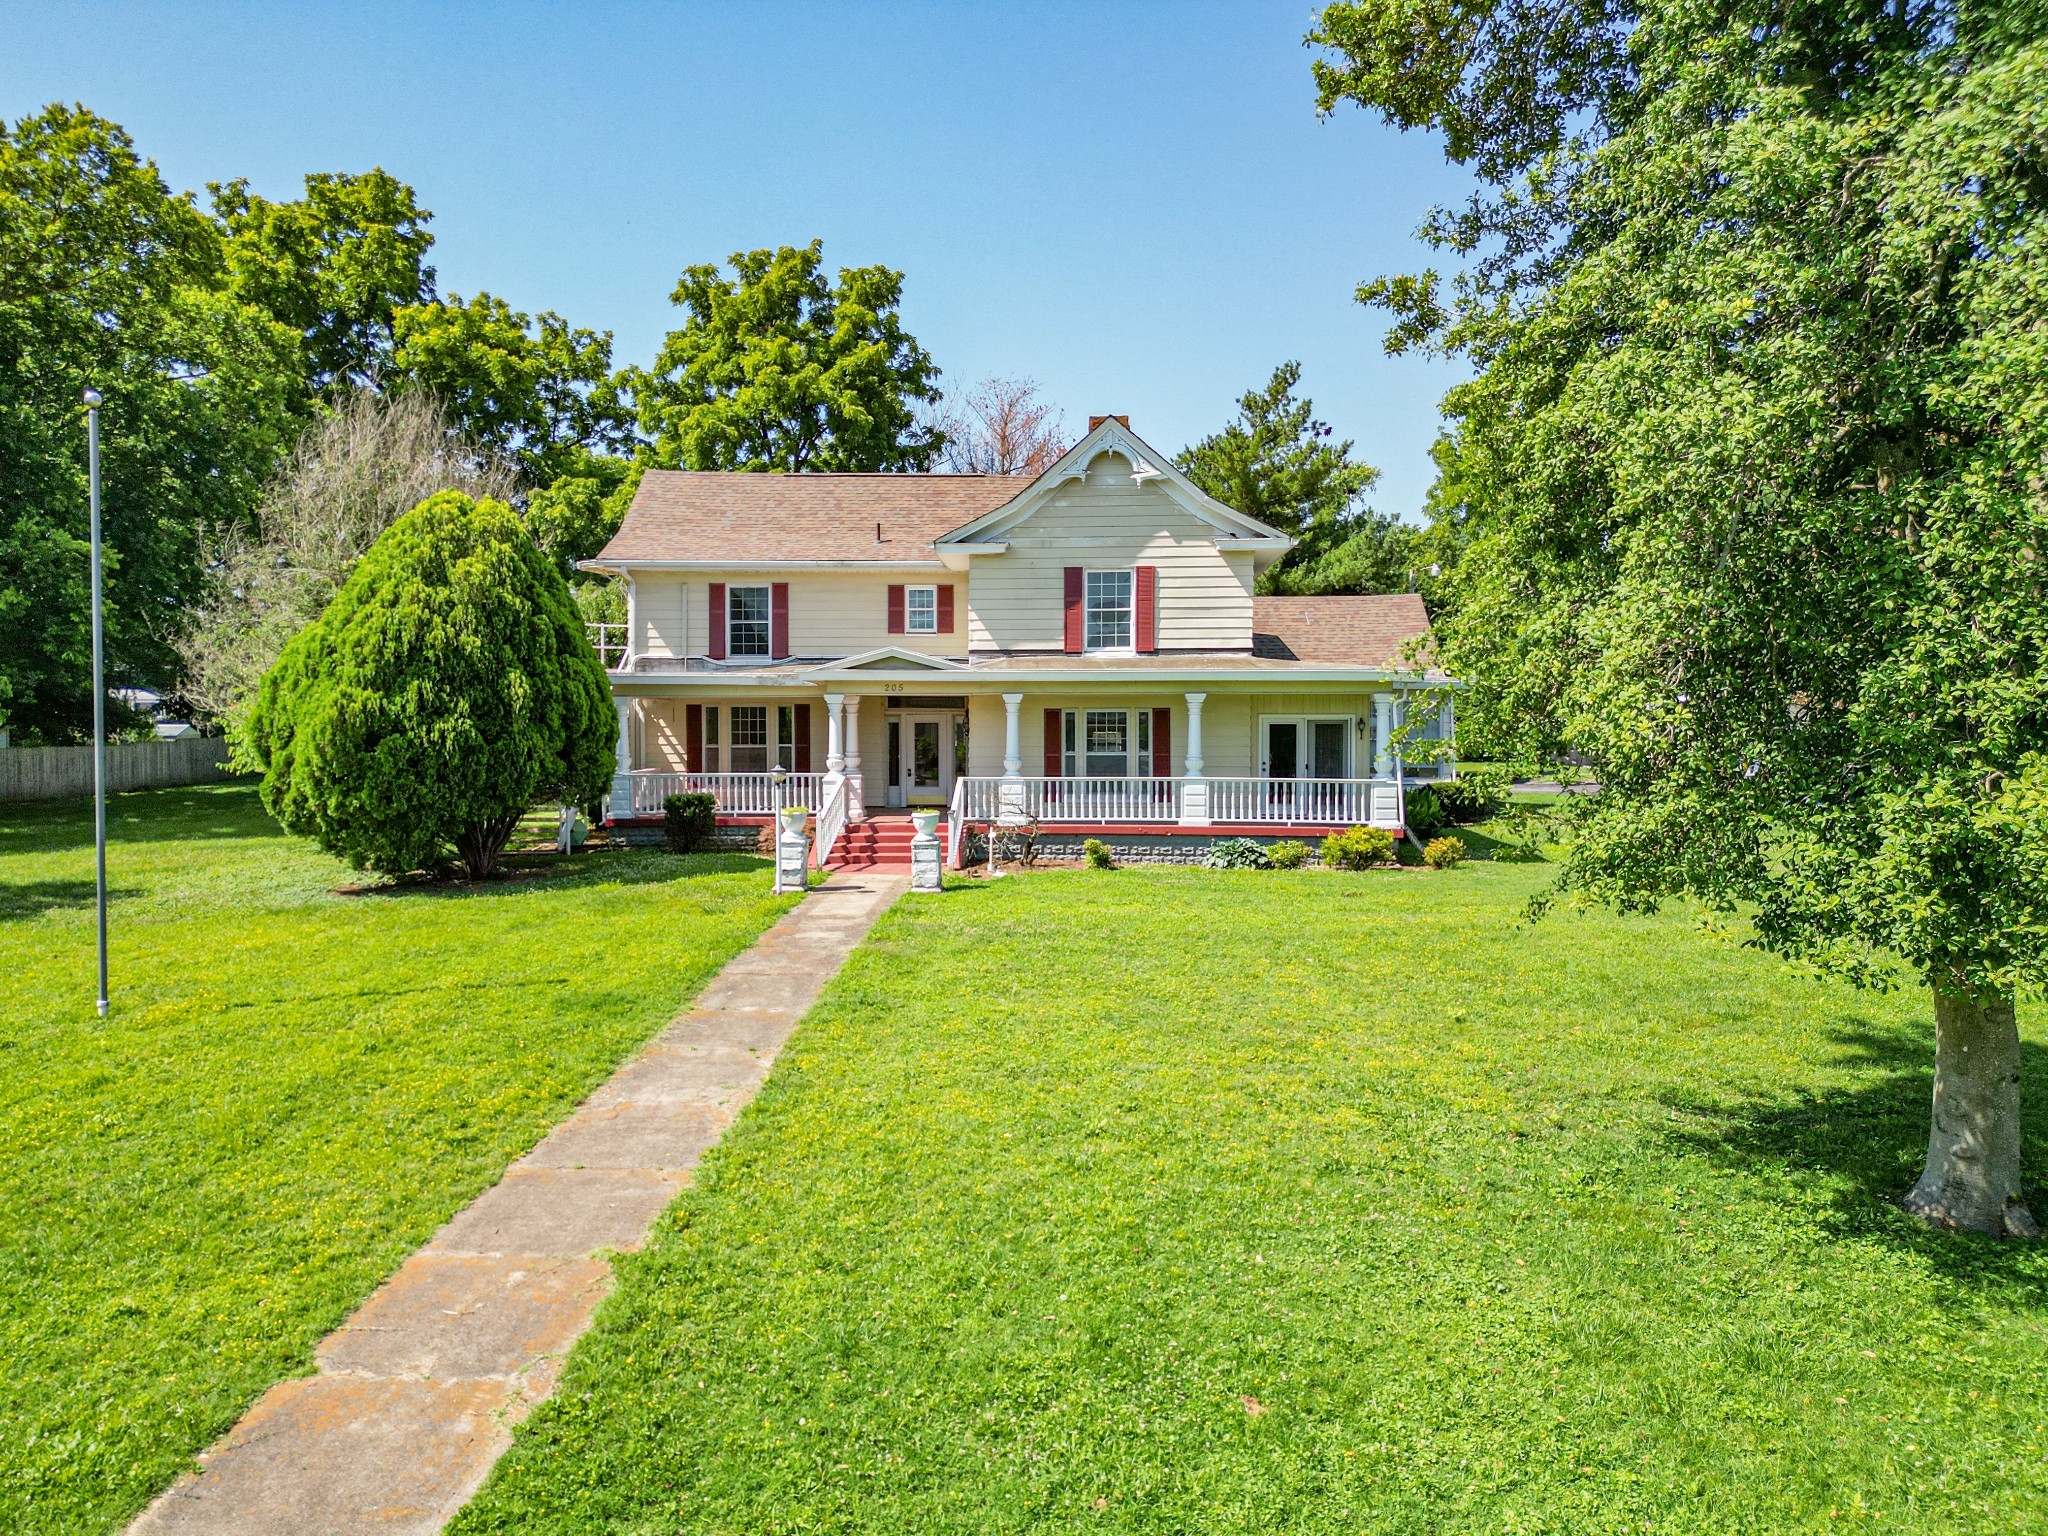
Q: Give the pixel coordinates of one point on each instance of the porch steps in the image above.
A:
(875, 842)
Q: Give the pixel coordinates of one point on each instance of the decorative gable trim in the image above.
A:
(1112, 436)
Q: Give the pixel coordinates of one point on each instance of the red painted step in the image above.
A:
(876, 842)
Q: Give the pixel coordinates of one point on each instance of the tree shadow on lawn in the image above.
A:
(32, 898)
(202, 812)
(530, 872)
(1869, 1141)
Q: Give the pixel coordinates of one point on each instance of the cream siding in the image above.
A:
(658, 610)
(1106, 522)
(835, 613)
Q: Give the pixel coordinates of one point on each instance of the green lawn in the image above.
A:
(296, 1088)
(1171, 1201)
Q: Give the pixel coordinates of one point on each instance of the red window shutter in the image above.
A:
(778, 620)
(693, 738)
(1147, 604)
(1053, 744)
(803, 738)
(895, 608)
(1076, 584)
(716, 650)
(946, 609)
(1162, 743)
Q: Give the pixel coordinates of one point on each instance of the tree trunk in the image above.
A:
(1972, 1177)
(479, 846)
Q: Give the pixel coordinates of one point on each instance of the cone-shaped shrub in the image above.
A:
(447, 687)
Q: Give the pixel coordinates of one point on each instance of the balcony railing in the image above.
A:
(608, 640)
(736, 794)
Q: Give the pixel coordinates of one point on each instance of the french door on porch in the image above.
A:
(1299, 757)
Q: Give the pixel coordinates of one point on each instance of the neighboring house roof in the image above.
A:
(1345, 631)
(713, 516)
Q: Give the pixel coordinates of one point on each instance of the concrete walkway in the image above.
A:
(417, 1393)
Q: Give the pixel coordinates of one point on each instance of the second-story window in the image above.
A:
(746, 621)
(1108, 615)
(921, 610)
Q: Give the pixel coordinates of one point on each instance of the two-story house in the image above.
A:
(1082, 649)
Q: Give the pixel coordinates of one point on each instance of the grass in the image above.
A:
(296, 1087)
(1172, 1201)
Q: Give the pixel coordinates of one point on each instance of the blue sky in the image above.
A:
(1133, 204)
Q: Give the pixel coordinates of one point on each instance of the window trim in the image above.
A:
(910, 625)
(1129, 647)
(767, 621)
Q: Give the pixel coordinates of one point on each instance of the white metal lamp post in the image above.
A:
(99, 686)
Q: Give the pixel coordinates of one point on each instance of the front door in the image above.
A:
(926, 770)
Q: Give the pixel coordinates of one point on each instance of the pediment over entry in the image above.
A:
(890, 658)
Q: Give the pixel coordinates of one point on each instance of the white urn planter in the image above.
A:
(926, 822)
(794, 817)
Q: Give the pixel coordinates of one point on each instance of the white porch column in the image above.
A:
(857, 795)
(1194, 791)
(629, 657)
(1382, 734)
(621, 805)
(835, 739)
(1013, 746)
(1013, 803)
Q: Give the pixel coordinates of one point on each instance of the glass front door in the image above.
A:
(1283, 749)
(1306, 749)
(927, 745)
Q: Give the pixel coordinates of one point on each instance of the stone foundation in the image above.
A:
(1139, 847)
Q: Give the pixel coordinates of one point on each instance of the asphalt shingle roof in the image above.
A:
(1344, 631)
(718, 516)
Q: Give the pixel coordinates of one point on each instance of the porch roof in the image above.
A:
(994, 674)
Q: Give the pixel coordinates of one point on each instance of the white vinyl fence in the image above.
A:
(65, 773)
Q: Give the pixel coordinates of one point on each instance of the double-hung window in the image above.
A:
(749, 737)
(1107, 611)
(746, 621)
(1106, 743)
(921, 610)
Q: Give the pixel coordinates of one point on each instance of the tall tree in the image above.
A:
(777, 367)
(1276, 462)
(355, 470)
(335, 265)
(535, 389)
(1751, 470)
(1003, 428)
(108, 279)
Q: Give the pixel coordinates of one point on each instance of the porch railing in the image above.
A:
(830, 822)
(1303, 802)
(1251, 802)
(1075, 799)
(736, 794)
